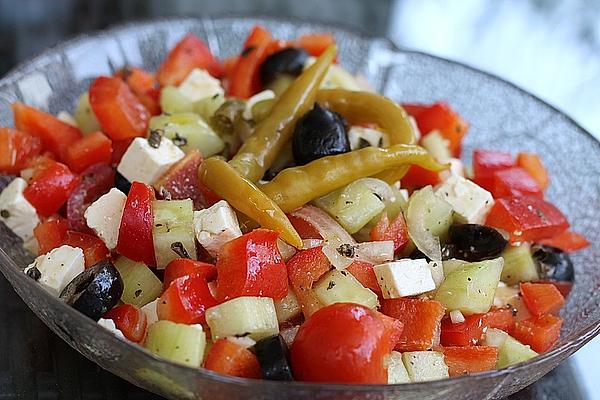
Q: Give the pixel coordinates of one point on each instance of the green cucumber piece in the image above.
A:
(207, 107)
(180, 343)
(397, 372)
(140, 285)
(280, 84)
(513, 352)
(341, 287)
(425, 366)
(84, 115)
(519, 265)
(470, 288)
(173, 101)
(173, 222)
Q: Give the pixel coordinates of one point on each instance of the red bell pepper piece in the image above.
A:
(394, 328)
(418, 177)
(541, 333)
(16, 148)
(315, 43)
(541, 298)
(567, 241)
(50, 187)
(94, 249)
(534, 167)
(304, 269)
(466, 333)
(120, 113)
(527, 218)
(563, 287)
(142, 83)
(180, 267)
(229, 358)
(130, 320)
(119, 147)
(229, 66)
(182, 182)
(91, 149)
(305, 229)
(50, 234)
(363, 272)
(470, 359)
(56, 136)
(135, 233)
(421, 320)
(251, 265)
(186, 300)
(515, 182)
(245, 78)
(486, 162)
(500, 318)
(189, 53)
(395, 231)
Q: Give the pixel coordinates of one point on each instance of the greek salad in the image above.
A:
(270, 216)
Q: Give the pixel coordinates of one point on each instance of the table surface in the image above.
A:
(548, 47)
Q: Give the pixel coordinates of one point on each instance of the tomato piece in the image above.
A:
(141, 83)
(189, 53)
(89, 150)
(50, 234)
(251, 265)
(181, 180)
(130, 320)
(16, 148)
(421, 320)
(466, 333)
(95, 181)
(567, 241)
(229, 358)
(527, 218)
(315, 43)
(541, 298)
(135, 233)
(486, 163)
(186, 300)
(363, 272)
(500, 318)
(395, 231)
(56, 136)
(470, 359)
(119, 147)
(304, 269)
(534, 166)
(245, 79)
(304, 228)
(418, 177)
(184, 266)
(119, 112)
(515, 182)
(541, 333)
(94, 249)
(563, 287)
(50, 187)
(341, 343)
(394, 328)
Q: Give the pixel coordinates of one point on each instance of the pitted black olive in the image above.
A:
(95, 291)
(122, 183)
(287, 61)
(474, 242)
(553, 263)
(319, 133)
(273, 357)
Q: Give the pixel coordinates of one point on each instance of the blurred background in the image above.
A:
(549, 47)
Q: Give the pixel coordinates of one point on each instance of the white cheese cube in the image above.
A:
(59, 267)
(397, 372)
(109, 324)
(456, 168)
(404, 278)
(357, 133)
(16, 212)
(143, 163)
(470, 202)
(104, 216)
(425, 365)
(150, 311)
(257, 98)
(216, 226)
(199, 85)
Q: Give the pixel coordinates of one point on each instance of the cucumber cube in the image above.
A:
(513, 352)
(425, 365)
(180, 343)
(173, 223)
(341, 287)
(140, 285)
(519, 265)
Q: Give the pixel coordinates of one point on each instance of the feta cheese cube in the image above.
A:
(404, 278)
(16, 212)
(150, 311)
(456, 168)
(257, 98)
(216, 226)
(470, 202)
(109, 324)
(59, 267)
(104, 216)
(143, 163)
(358, 134)
(199, 85)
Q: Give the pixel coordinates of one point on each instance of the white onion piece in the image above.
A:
(378, 187)
(335, 258)
(415, 222)
(457, 317)
(310, 243)
(329, 229)
(377, 252)
(285, 249)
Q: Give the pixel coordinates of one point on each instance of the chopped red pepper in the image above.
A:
(304, 269)
(500, 318)
(304, 228)
(16, 148)
(515, 182)
(186, 300)
(91, 149)
(119, 148)
(418, 177)
(541, 298)
(395, 231)
(363, 272)
(567, 241)
(185, 266)
(315, 43)
(50, 234)
(563, 287)
(470, 359)
(541, 333)
(486, 162)
(130, 320)
(245, 79)
(466, 333)
(534, 166)
(94, 249)
(142, 83)
(229, 358)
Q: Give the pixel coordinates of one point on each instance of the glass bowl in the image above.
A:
(501, 115)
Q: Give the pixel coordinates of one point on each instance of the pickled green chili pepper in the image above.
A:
(258, 152)
(245, 197)
(294, 187)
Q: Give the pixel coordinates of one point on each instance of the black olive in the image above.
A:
(95, 291)
(474, 242)
(273, 356)
(287, 61)
(319, 133)
(122, 183)
(553, 263)
(418, 254)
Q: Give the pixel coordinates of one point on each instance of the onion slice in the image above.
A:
(375, 252)
(328, 228)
